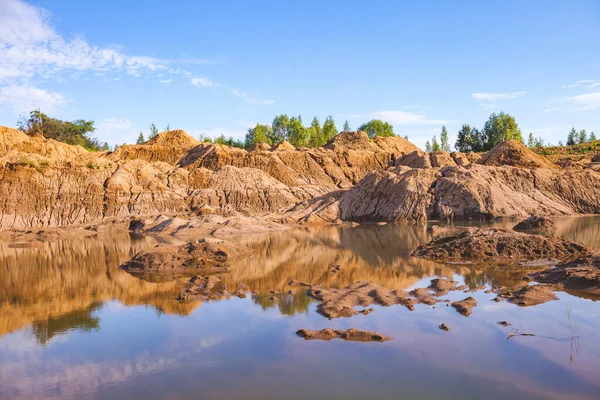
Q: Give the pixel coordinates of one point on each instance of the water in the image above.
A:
(72, 325)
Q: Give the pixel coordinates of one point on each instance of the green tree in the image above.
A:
(377, 127)
(329, 130)
(444, 145)
(434, 144)
(280, 126)
(297, 134)
(428, 147)
(260, 133)
(530, 140)
(582, 137)
(168, 128)
(76, 132)
(593, 137)
(347, 126)
(315, 134)
(572, 137)
(153, 131)
(140, 139)
(468, 139)
(499, 128)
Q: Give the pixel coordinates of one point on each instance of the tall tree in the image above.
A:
(297, 133)
(572, 137)
(168, 128)
(593, 137)
(434, 144)
(76, 132)
(315, 134)
(499, 128)
(329, 129)
(153, 131)
(428, 147)
(347, 126)
(445, 146)
(468, 139)
(582, 137)
(280, 127)
(530, 140)
(260, 133)
(377, 127)
(140, 139)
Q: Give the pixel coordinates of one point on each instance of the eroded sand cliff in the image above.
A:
(45, 183)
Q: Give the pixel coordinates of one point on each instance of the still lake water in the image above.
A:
(72, 325)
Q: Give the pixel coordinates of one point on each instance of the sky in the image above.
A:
(220, 67)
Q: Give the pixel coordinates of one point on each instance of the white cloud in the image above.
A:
(116, 131)
(490, 97)
(32, 50)
(24, 98)
(203, 82)
(586, 83)
(250, 100)
(404, 118)
(30, 47)
(588, 101)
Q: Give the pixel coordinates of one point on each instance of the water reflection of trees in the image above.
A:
(55, 279)
(290, 304)
(81, 320)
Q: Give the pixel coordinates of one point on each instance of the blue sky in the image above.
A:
(221, 66)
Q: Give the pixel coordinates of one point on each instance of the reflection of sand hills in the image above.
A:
(57, 283)
(374, 253)
(584, 230)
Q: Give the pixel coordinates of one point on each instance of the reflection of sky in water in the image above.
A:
(246, 348)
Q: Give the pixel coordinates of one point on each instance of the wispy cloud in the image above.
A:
(588, 101)
(24, 98)
(586, 83)
(30, 47)
(250, 100)
(490, 97)
(117, 131)
(488, 100)
(31, 50)
(203, 82)
(398, 117)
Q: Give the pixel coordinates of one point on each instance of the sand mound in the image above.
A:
(283, 146)
(536, 224)
(353, 335)
(441, 159)
(336, 303)
(206, 256)
(395, 144)
(464, 307)
(532, 295)
(10, 137)
(499, 246)
(416, 159)
(515, 154)
(260, 146)
(351, 141)
(176, 138)
(581, 275)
